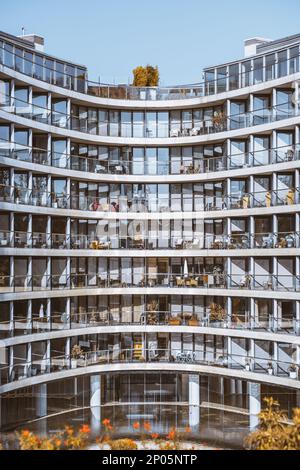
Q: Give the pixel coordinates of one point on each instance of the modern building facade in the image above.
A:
(149, 239)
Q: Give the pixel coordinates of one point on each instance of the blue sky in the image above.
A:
(111, 37)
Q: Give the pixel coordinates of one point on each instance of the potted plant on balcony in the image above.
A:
(293, 372)
(270, 368)
(175, 320)
(217, 313)
(193, 321)
(17, 195)
(152, 308)
(219, 120)
(55, 201)
(76, 353)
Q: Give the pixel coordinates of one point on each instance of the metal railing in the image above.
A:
(214, 280)
(188, 166)
(164, 240)
(48, 365)
(42, 72)
(28, 110)
(41, 322)
(149, 202)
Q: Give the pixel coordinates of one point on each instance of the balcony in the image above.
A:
(36, 67)
(125, 166)
(214, 316)
(47, 365)
(138, 241)
(212, 280)
(149, 203)
(217, 123)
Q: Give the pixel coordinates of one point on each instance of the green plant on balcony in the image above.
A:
(217, 312)
(219, 119)
(152, 308)
(145, 76)
(76, 351)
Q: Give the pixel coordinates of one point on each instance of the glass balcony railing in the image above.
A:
(212, 125)
(188, 166)
(46, 365)
(40, 323)
(214, 280)
(77, 81)
(115, 241)
(149, 203)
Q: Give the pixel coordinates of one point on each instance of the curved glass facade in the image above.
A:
(149, 242)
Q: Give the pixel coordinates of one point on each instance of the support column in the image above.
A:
(95, 401)
(194, 400)
(41, 400)
(254, 404)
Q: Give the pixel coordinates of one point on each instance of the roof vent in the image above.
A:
(251, 44)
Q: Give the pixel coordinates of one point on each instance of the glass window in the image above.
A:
(21, 97)
(163, 161)
(282, 63)
(261, 150)
(59, 113)
(92, 120)
(233, 76)
(38, 68)
(258, 70)
(175, 197)
(138, 124)
(150, 124)
(21, 137)
(237, 153)
(114, 123)
(270, 67)
(163, 197)
(261, 112)
(175, 157)
(246, 73)
(59, 153)
(28, 63)
(39, 151)
(83, 118)
(294, 59)
(187, 120)
(163, 124)
(175, 121)
(21, 144)
(49, 71)
(209, 77)
(284, 107)
(19, 62)
(237, 114)
(59, 75)
(8, 55)
(221, 79)
(137, 161)
(4, 133)
(70, 77)
(80, 73)
(103, 122)
(126, 124)
(39, 107)
(4, 93)
(151, 161)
